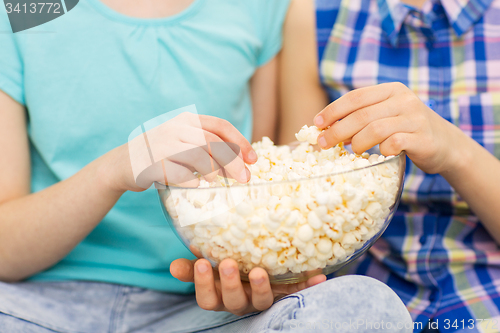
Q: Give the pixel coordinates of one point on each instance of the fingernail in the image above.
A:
(319, 121)
(228, 271)
(202, 268)
(258, 281)
(245, 175)
(252, 156)
(322, 141)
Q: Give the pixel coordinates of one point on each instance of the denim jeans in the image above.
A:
(346, 304)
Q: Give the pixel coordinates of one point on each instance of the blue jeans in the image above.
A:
(346, 304)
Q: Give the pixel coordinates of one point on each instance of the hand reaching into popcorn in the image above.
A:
(223, 290)
(173, 150)
(391, 115)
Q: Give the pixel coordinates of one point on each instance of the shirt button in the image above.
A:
(431, 104)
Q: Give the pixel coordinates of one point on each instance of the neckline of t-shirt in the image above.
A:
(117, 16)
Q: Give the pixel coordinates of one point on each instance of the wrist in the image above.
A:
(461, 156)
(113, 170)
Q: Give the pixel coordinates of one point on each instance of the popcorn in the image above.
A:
(324, 246)
(292, 220)
(270, 260)
(313, 220)
(244, 209)
(305, 233)
(308, 134)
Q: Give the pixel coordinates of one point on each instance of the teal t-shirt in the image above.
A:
(91, 76)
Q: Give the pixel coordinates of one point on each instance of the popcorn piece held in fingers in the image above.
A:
(308, 134)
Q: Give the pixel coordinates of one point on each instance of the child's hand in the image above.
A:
(172, 151)
(224, 291)
(391, 115)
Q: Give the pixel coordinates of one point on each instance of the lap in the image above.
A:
(13, 324)
(94, 307)
(345, 304)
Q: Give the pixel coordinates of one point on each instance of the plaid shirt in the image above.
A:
(435, 254)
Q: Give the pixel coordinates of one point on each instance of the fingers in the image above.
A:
(394, 144)
(206, 291)
(229, 293)
(215, 154)
(195, 139)
(167, 172)
(229, 133)
(371, 125)
(213, 145)
(195, 157)
(262, 294)
(286, 289)
(231, 164)
(229, 157)
(352, 101)
(377, 132)
(357, 99)
(233, 295)
(194, 250)
(342, 131)
(182, 269)
(317, 279)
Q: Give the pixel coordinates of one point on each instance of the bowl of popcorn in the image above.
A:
(304, 211)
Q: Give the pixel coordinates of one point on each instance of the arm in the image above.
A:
(264, 91)
(37, 230)
(393, 116)
(475, 175)
(301, 93)
(290, 81)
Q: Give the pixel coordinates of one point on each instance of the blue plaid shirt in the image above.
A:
(435, 254)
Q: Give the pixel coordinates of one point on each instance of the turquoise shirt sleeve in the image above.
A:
(11, 69)
(270, 17)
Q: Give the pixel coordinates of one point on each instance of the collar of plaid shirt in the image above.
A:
(461, 15)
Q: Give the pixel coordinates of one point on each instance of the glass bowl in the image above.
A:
(294, 229)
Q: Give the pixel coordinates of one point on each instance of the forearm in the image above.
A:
(477, 180)
(38, 230)
(299, 111)
(301, 93)
(264, 93)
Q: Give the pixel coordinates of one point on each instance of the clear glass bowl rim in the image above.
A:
(284, 182)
